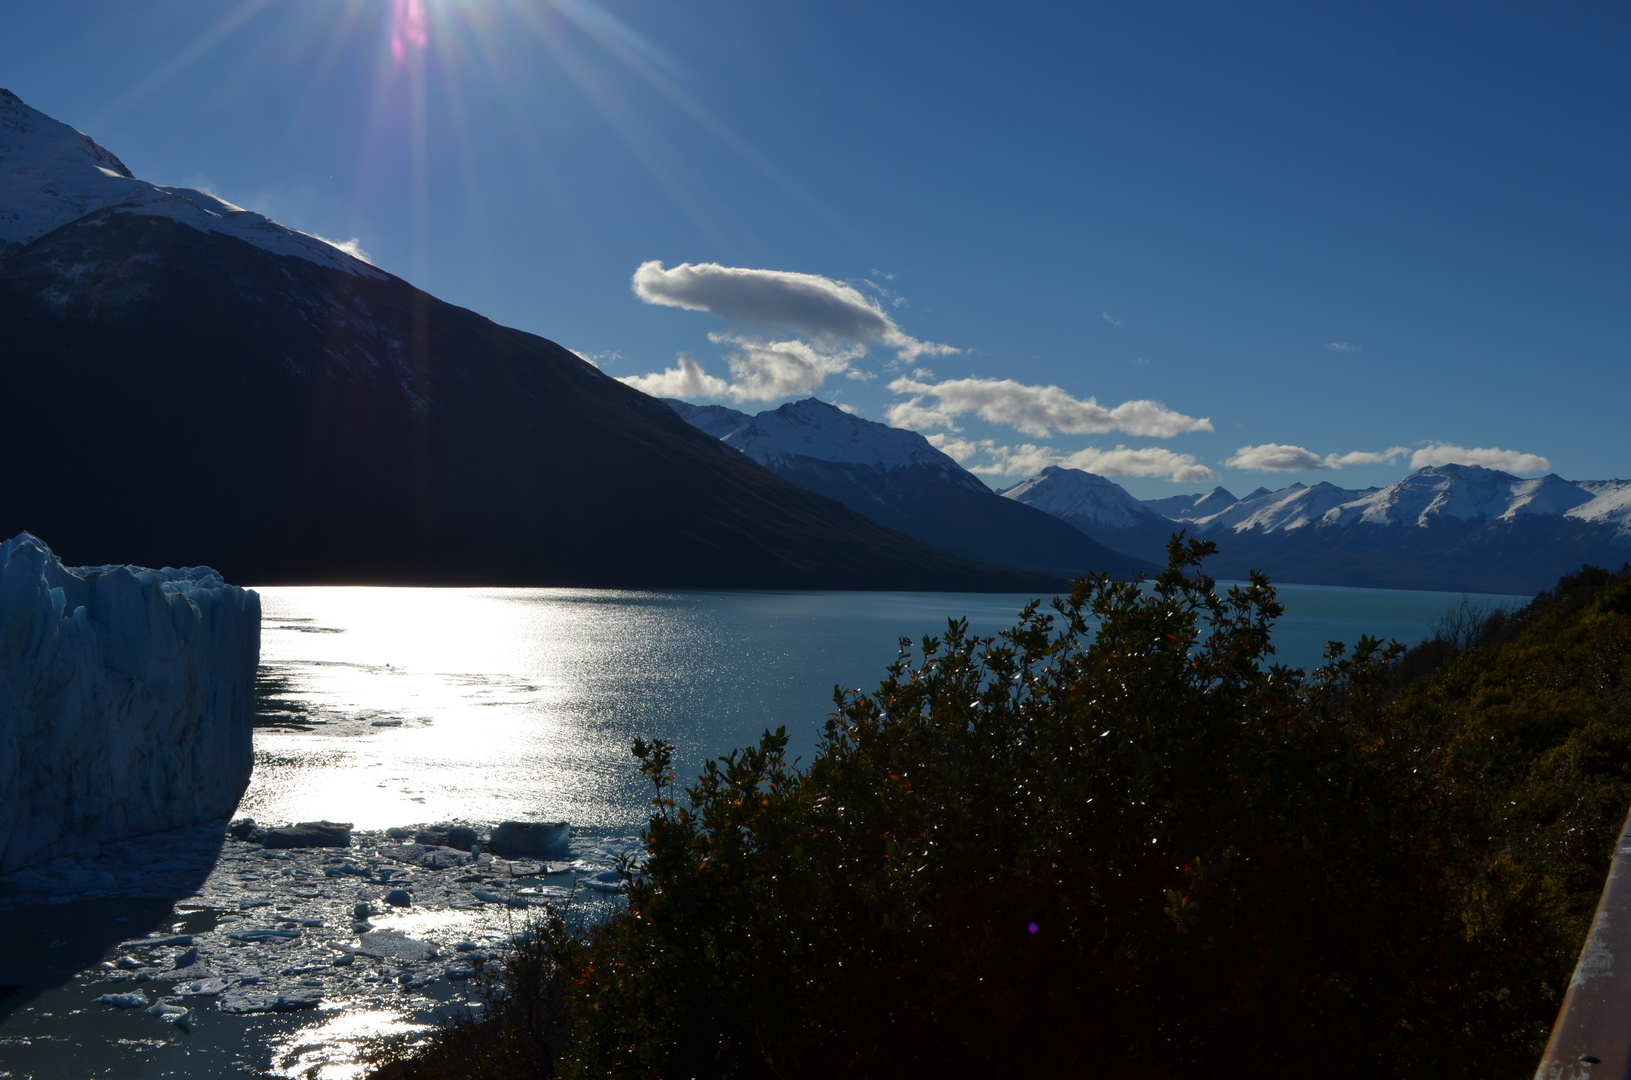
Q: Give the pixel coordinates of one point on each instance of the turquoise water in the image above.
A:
(487, 704)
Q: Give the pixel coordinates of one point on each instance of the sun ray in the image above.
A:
(620, 42)
(218, 32)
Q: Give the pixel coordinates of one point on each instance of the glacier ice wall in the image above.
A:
(127, 700)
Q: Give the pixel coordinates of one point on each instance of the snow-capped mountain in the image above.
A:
(814, 430)
(195, 384)
(1449, 527)
(895, 477)
(1278, 511)
(1464, 493)
(717, 420)
(51, 175)
(1195, 507)
(1100, 508)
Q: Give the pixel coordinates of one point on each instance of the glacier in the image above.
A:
(127, 701)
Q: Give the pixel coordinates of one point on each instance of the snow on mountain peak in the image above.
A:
(815, 429)
(51, 175)
(1467, 493)
(1074, 493)
(1289, 508)
(1610, 504)
(717, 420)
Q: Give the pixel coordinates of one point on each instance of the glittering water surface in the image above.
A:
(406, 706)
(487, 704)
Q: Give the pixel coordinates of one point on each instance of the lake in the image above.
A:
(397, 707)
(427, 705)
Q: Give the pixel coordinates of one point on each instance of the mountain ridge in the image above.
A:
(194, 384)
(1450, 527)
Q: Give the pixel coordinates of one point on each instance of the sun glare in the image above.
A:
(409, 29)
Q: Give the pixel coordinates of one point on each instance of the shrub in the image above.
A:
(1117, 839)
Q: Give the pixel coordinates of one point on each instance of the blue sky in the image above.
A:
(1244, 244)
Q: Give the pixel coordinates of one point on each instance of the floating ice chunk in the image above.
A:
(201, 987)
(429, 856)
(134, 1000)
(266, 935)
(396, 945)
(532, 839)
(255, 1001)
(605, 881)
(157, 942)
(309, 834)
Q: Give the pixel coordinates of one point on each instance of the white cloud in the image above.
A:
(1275, 457)
(1281, 457)
(958, 449)
(1489, 457)
(1109, 318)
(767, 370)
(1342, 346)
(833, 315)
(1032, 410)
(1142, 461)
(1366, 457)
(1028, 459)
(686, 381)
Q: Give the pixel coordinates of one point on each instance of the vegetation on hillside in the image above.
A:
(1117, 840)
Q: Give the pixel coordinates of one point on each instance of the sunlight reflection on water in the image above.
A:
(491, 704)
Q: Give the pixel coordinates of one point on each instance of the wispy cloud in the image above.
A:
(1341, 346)
(1037, 411)
(1028, 459)
(1109, 318)
(1489, 457)
(1282, 457)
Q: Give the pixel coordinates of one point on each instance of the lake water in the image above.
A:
(489, 704)
(409, 706)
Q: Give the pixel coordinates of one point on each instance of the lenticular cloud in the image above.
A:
(834, 316)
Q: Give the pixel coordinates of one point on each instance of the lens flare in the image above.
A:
(409, 29)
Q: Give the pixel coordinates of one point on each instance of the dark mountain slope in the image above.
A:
(175, 396)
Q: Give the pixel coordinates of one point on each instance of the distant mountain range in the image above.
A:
(188, 382)
(896, 478)
(1448, 527)
(1451, 527)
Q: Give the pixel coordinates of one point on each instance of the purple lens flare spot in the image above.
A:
(1032, 928)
